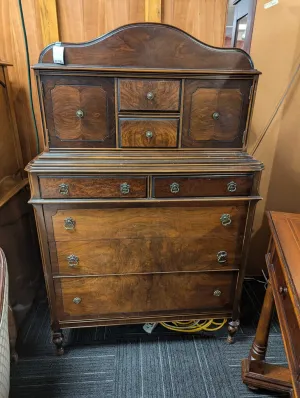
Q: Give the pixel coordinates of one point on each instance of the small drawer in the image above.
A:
(93, 187)
(148, 133)
(149, 95)
(191, 186)
(119, 295)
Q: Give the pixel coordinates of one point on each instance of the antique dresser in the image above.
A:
(144, 196)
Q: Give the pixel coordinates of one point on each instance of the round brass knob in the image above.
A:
(215, 115)
(69, 223)
(76, 300)
(150, 95)
(225, 219)
(174, 187)
(231, 186)
(63, 189)
(149, 134)
(79, 113)
(73, 260)
(217, 293)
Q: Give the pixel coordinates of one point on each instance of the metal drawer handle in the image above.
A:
(283, 290)
(76, 300)
(174, 187)
(231, 186)
(63, 189)
(217, 293)
(69, 223)
(124, 188)
(79, 113)
(225, 219)
(216, 116)
(72, 260)
(222, 257)
(149, 134)
(150, 95)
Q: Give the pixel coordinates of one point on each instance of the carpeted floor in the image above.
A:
(125, 362)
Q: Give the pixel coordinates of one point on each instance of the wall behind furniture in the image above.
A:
(276, 53)
(79, 20)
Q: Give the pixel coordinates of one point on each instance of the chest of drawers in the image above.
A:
(144, 196)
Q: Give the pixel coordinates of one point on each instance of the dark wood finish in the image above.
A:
(115, 296)
(134, 133)
(147, 93)
(163, 95)
(227, 101)
(94, 97)
(282, 261)
(89, 187)
(209, 185)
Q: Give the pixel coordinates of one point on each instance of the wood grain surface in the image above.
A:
(148, 294)
(133, 95)
(97, 187)
(133, 133)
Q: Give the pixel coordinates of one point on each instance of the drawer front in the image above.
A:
(148, 133)
(215, 113)
(123, 256)
(119, 296)
(289, 321)
(150, 222)
(89, 187)
(149, 95)
(79, 111)
(191, 186)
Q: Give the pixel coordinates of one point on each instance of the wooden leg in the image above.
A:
(232, 329)
(58, 339)
(12, 330)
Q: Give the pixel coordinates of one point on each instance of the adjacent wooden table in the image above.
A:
(283, 261)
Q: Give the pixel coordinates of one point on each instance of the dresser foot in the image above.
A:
(232, 329)
(58, 339)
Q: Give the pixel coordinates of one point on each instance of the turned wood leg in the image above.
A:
(260, 343)
(58, 339)
(232, 329)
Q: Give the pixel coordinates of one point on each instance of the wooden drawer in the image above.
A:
(93, 187)
(287, 316)
(119, 296)
(148, 133)
(150, 222)
(79, 111)
(149, 95)
(115, 256)
(190, 186)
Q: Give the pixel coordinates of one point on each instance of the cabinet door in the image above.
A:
(79, 111)
(215, 113)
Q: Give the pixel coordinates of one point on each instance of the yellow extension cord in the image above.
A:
(194, 326)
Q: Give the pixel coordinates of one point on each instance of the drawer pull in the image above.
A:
(149, 134)
(225, 219)
(283, 290)
(174, 187)
(76, 300)
(63, 189)
(124, 188)
(216, 116)
(222, 257)
(79, 114)
(69, 223)
(72, 260)
(150, 95)
(231, 186)
(217, 293)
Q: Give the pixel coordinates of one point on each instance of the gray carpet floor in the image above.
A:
(125, 362)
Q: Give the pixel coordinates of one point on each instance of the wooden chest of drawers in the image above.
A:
(144, 196)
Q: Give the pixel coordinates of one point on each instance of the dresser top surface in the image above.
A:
(150, 161)
(285, 229)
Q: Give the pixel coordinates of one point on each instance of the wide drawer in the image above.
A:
(93, 187)
(115, 256)
(149, 95)
(148, 133)
(120, 296)
(150, 222)
(191, 186)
